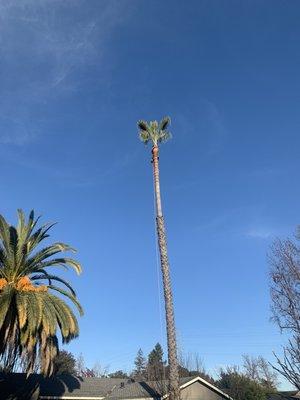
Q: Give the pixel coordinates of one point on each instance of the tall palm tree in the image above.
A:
(30, 313)
(157, 132)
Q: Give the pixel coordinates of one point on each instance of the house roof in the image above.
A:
(72, 387)
(141, 390)
(291, 395)
(63, 386)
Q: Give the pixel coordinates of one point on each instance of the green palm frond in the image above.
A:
(21, 222)
(143, 131)
(30, 314)
(58, 262)
(69, 295)
(32, 241)
(164, 136)
(45, 253)
(142, 125)
(154, 125)
(4, 234)
(6, 298)
(144, 136)
(165, 121)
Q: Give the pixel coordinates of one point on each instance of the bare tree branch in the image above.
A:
(284, 260)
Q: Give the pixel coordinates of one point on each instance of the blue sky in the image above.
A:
(75, 77)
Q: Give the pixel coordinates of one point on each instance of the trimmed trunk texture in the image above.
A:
(165, 269)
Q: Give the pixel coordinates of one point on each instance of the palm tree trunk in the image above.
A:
(165, 269)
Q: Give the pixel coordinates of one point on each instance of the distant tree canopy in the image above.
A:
(140, 364)
(118, 374)
(203, 374)
(239, 386)
(156, 355)
(64, 363)
(156, 369)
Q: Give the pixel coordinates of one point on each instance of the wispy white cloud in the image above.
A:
(260, 233)
(265, 230)
(243, 222)
(46, 48)
(227, 222)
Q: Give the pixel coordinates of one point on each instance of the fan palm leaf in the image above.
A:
(154, 131)
(32, 314)
(142, 125)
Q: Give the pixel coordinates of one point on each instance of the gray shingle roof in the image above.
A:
(291, 395)
(68, 385)
(64, 385)
(142, 389)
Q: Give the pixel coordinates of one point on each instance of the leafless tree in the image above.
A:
(258, 369)
(100, 371)
(191, 364)
(198, 364)
(284, 260)
(80, 365)
(191, 361)
(250, 366)
(289, 365)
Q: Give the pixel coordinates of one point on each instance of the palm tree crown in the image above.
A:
(30, 312)
(154, 131)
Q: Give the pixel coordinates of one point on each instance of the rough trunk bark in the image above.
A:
(165, 269)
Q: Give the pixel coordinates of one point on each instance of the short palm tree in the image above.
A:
(157, 132)
(31, 314)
